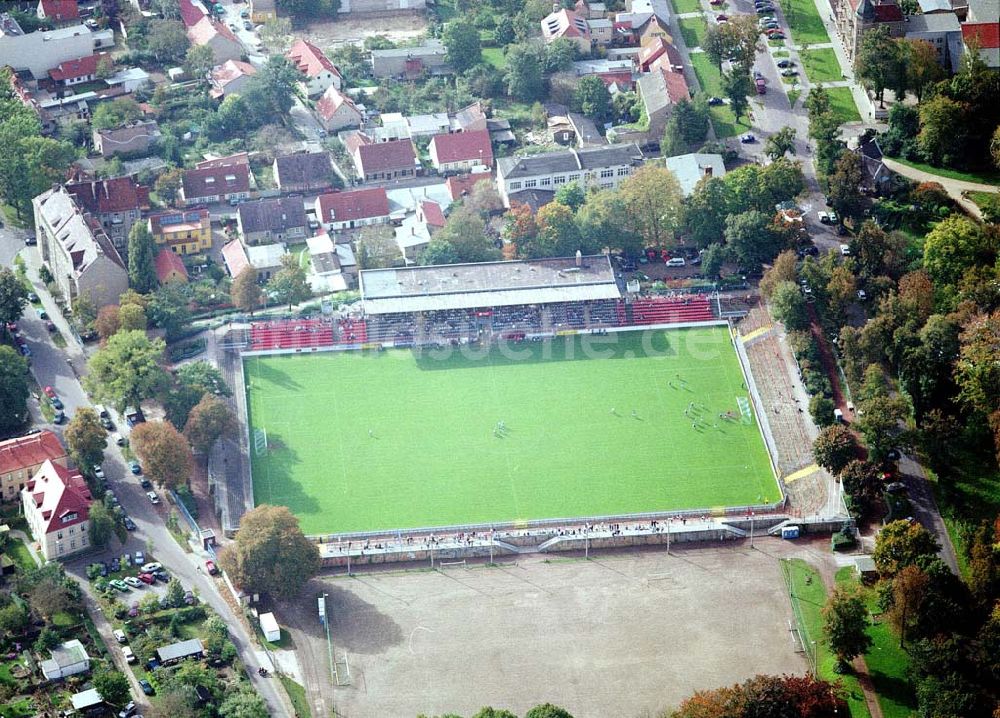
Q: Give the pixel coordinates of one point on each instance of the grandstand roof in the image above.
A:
(490, 284)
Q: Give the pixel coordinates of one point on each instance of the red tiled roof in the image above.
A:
(235, 258)
(888, 13)
(57, 493)
(167, 262)
(231, 70)
(26, 451)
(203, 31)
(356, 204)
(354, 140)
(212, 181)
(60, 9)
(191, 14)
(118, 194)
(986, 33)
(460, 185)
(81, 67)
(386, 156)
(677, 88)
(463, 146)
(433, 214)
(310, 59)
(332, 100)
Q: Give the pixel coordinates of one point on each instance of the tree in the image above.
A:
(593, 99)
(132, 317)
(909, 587)
(706, 209)
(943, 137)
(835, 448)
(717, 45)
(102, 525)
(86, 438)
(737, 85)
(821, 410)
(558, 235)
(461, 39)
(845, 625)
(571, 195)
(289, 284)
(243, 703)
(204, 377)
(799, 696)
(789, 306)
(141, 259)
(879, 423)
(652, 197)
(13, 296)
(750, 238)
(126, 369)
(49, 596)
(863, 481)
(464, 237)
(270, 554)
(603, 222)
(504, 31)
(547, 710)
(900, 544)
(107, 325)
(995, 147)
(245, 292)
(169, 9)
(784, 269)
(270, 93)
(116, 113)
(688, 125)
(922, 67)
(879, 63)
(164, 452)
(199, 60)
(524, 73)
(954, 245)
(377, 248)
(210, 419)
(276, 34)
(14, 390)
(844, 186)
(13, 619)
(519, 226)
(168, 184)
(175, 592)
(166, 40)
(169, 309)
(558, 56)
(841, 289)
(780, 143)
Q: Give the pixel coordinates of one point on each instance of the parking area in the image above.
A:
(621, 634)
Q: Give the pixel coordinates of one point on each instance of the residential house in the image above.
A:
(67, 660)
(265, 259)
(76, 249)
(415, 232)
(855, 17)
(428, 125)
(129, 79)
(604, 167)
(944, 33)
(660, 90)
(213, 184)
(982, 28)
(266, 221)
(303, 172)
(175, 652)
(117, 203)
(136, 139)
(333, 266)
(460, 185)
(469, 118)
(186, 231)
(56, 503)
(170, 268)
(23, 456)
(78, 71)
(566, 24)
(338, 211)
(691, 168)
(411, 62)
(337, 111)
(42, 50)
(382, 160)
(655, 51)
(58, 13)
(601, 31)
(320, 74)
(261, 11)
(461, 151)
(240, 158)
(612, 72)
(231, 77)
(203, 29)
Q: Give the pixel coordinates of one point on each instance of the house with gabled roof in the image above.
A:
(275, 219)
(56, 503)
(170, 268)
(135, 139)
(117, 203)
(58, 13)
(319, 73)
(337, 111)
(23, 456)
(303, 172)
(567, 25)
(203, 29)
(230, 77)
(215, 184)
(461, 151)
(982, 30)
(339, 211)
(380, 161)
(78, 71)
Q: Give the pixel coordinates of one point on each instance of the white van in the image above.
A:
(676, 262)
(129, 656)
(838, 416)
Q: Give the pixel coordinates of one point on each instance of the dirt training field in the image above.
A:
(624, 635)
(345, 31)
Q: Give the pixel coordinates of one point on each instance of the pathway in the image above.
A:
(954, 187)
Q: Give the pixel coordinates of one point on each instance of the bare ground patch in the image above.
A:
(398, 27)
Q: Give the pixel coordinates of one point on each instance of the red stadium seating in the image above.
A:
(670, 310)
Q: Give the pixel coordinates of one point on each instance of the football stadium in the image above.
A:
(503, 394)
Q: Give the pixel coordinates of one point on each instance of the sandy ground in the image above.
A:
(355, 30)
(623, 634)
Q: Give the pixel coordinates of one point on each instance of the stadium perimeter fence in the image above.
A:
(808, 644)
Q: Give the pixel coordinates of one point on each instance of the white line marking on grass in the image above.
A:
(410, 643)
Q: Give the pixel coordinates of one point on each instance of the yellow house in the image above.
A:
(262, 11)
(184, 232)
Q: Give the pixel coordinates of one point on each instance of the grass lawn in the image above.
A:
(297, 694)
(21, 555)
(793, 97)
(842, 102)
(983, 198)
(987, 177)
(685, 6)
(710, 80)
(495, 57)
(693, 29)
(821, 65)
(805, 22)
(808, 596)
(343, 456)
(22, 708)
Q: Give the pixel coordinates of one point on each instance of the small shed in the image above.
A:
(865, 567)
(175, 652)
(86, 700)
(269, 625)
(67, 660)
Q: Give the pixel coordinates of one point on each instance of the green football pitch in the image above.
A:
(592, 426)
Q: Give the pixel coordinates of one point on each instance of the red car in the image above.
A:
(212, 569)
(147, 578)
(11, 327)
(50, 392)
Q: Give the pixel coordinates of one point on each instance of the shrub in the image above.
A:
(821, 409)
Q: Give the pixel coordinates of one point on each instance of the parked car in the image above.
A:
(119, 439)
(119, 585)
(147, 688)
(60, 416)
(25, 350)
(134, 467)
(42, 314)
(676, 262)
(153, 498)
(845, 250)
(126, 651)
(129, 523)
(49, 392)
(212, 569)
(147, 578)
(862, 296)
(129, 710)
(776, 36)
(116, 565)
(32, 297)
(55, 401)
(189, 598)
(748, 138)
(161, 575)
(247, 25)
(785, 63)
(715, 101)
(145, 483)
(133, 582)
(98, 471)
(50, 326)
(722, 18)
(789, 72)
(151, 567)
(140, 558)
(133, 610)
(119, 635)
